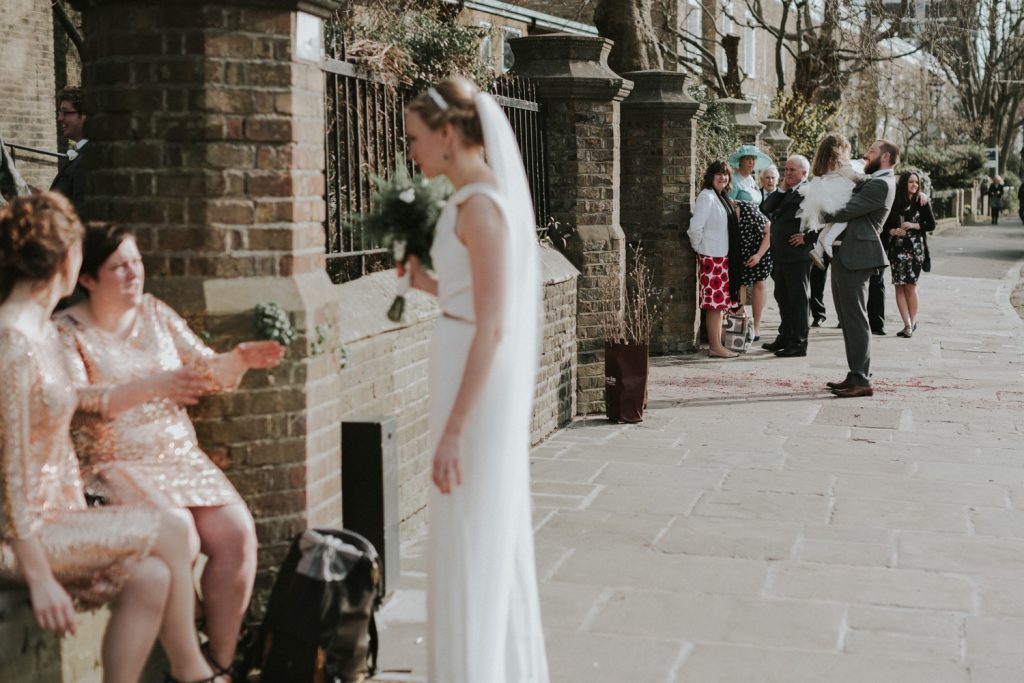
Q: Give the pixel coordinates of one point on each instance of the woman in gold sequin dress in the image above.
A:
(137, 559)
(120, 336)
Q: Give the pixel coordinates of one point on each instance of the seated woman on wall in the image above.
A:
(119, 336)
(137, 559)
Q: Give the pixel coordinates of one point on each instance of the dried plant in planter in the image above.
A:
(642, 304)
(627, 334)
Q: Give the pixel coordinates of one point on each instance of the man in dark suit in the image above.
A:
(858, 255)
(791, 264)
(70, 180)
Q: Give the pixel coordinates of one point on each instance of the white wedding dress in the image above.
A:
(483, 608)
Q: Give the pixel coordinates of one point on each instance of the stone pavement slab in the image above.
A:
(754, 529)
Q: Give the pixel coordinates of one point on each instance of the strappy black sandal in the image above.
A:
(218, 670)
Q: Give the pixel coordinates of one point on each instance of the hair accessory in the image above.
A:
(436, 97)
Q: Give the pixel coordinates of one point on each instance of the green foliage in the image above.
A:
(716, 130)
(418, 45)
(949, 166)
(804, 121)
(271, 322)
(404, 212)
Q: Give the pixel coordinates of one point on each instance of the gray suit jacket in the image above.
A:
(865, 214)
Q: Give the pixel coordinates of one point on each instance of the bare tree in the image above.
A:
(629, 24)
(981, 51)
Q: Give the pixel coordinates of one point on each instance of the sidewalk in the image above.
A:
(755, 529)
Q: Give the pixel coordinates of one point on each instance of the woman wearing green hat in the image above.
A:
(747, 160)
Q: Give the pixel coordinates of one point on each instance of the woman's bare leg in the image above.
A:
(758, 301)
(910, 292)
(901, 304)
(228, 538)
(715, 348)
(135, 621)
(178, 546)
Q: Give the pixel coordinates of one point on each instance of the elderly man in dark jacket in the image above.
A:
(791, 263)
(856, 258)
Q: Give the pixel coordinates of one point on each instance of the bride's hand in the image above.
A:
(446, 473)
(418, 275)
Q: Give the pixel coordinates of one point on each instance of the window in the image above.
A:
(487, 44)
(507, 58)
(750, 51)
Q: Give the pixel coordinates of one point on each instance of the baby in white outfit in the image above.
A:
(829, 191)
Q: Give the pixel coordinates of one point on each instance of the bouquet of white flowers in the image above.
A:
(405, 211)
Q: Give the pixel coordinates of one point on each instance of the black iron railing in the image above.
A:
(365, 133)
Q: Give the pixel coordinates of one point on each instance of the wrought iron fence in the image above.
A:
(365, 133)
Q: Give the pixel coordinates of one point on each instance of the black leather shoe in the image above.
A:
(853, 392)
(817, 322)
(791, 352)
(880, 333)
(773, 346)
(845, 384)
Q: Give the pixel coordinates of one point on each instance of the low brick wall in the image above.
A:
(387, 370)
(30, 655)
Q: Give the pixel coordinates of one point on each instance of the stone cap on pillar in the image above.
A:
(747, 127)
(566, 66)
(320, 8)
(662, 91)
(775, 137)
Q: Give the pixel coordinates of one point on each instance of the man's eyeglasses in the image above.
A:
(61, 113)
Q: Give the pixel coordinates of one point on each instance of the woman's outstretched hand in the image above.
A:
(260, 354)
(184, 386)
(446, 473)
(419, 278)
(52, 606)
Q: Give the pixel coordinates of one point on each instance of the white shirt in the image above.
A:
(709, 225)
(74, 151)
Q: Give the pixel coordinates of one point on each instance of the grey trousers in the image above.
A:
(850, 296)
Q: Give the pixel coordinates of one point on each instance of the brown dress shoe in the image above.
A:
(845, 384)
(853, 392)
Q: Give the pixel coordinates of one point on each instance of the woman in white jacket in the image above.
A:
(714, 234)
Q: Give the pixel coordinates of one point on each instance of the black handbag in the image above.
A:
(927, 265)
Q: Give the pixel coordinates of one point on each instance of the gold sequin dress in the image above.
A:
(90, 550)
(153, 446)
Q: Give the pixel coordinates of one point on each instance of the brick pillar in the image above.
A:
(581, 98)
(658, 171)
(747, 127)
(775, 138)
(210, 132)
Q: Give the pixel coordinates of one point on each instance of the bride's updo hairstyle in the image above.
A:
(450, 101)
(36, 233)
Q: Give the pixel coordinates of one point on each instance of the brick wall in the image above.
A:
(26, 81)
(658, 133)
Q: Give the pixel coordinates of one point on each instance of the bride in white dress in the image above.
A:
(483, 610)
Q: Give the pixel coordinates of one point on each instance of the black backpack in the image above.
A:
(319, 624)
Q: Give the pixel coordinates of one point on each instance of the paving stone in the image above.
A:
(1002, 595)
(778, 482)
(963, 554)
(838, 464)
(910, 489)
(851, 534)
(858, 416)
(698, 457)
(655, 499)
(715, 618)
(871, 586)
(904, 621)
(592, 657)
(730, 538)
(900, 514)
(564, 469)
(653, 570)
(622, 454)
(736, 664)
(840, 552)
(995, 641)
(638, 474)
(972, 472)
(598, 528)
(771, 506)
(996, 522)
(910, 648)
(567, 606)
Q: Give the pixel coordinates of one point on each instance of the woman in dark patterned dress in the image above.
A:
(755, 240)
(908, 224)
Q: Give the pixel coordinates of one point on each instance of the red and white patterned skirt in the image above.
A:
(714, 283)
